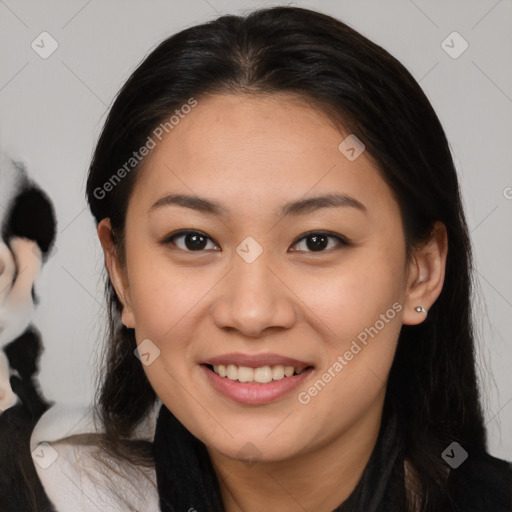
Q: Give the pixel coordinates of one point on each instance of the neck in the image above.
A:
(318, 480)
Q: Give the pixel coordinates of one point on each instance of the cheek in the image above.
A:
(358, 312)
(345, 301)
(160, 314)
(169, 303)
(163, 295)
(355, 365)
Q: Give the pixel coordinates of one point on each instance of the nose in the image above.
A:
(253, 298)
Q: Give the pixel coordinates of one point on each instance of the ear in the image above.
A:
(117, 273)
(426, 275)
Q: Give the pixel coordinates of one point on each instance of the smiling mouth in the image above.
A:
(260, 375)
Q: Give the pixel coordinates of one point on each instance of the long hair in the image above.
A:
(366, 91)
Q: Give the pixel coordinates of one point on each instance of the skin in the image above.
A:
(254, 154)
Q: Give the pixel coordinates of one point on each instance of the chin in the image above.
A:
(246, 446)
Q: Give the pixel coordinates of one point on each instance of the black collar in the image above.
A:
(187, 481)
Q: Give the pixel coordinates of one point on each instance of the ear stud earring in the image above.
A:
(420, 309)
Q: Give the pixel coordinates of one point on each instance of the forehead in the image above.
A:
(233, 126)
(253, 149)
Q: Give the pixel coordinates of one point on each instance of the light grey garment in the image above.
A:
(74, 481)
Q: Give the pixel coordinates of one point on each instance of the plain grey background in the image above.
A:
(52, 109)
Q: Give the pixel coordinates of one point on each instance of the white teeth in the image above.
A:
(245, 374)
(232, 372)
(278, 372)
(288, 371)
(262, 375)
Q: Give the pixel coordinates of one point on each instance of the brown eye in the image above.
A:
(193, 241)
(196, 241)
(319, 241)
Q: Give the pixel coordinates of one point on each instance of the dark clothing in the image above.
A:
(186, 479)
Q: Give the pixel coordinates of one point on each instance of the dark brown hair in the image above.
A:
(354, 81)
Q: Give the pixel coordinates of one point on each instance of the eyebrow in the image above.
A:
(298, 207)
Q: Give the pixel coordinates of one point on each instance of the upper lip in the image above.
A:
(256, 360)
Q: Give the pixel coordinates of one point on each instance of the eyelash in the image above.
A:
(343, 242)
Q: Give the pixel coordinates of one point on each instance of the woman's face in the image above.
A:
(250, 293)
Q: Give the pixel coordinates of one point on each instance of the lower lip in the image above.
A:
(255, 393)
